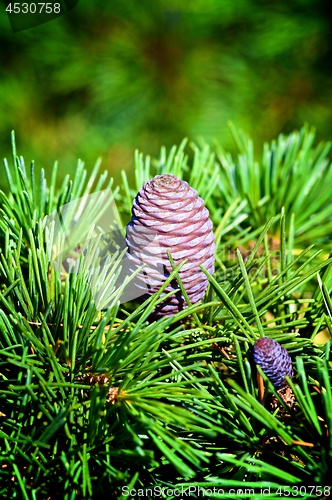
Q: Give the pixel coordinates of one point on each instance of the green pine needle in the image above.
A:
(96, 397)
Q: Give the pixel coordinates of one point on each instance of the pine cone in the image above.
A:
(274, 360)
(168, 214)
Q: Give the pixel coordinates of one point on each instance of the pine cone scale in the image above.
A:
(274, 360)
(168, 214)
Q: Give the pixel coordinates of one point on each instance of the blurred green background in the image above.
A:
(110, 77)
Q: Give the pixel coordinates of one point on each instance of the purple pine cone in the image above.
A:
(274, 360)
(168, 214)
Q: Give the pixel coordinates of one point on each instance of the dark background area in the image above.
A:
(111, 77)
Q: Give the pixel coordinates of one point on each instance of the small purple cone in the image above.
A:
(274, 360)
(168, 214)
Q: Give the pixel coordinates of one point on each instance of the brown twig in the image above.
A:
(221, 349)
(260, 383)
(302, 443)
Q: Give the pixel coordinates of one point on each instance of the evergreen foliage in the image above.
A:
(114, 76)
(95, 400)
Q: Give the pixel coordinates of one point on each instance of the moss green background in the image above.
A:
(110, 77)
